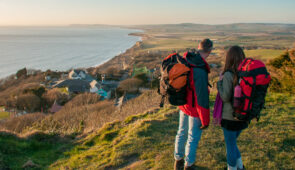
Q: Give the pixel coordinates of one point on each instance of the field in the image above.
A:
(173, 37)
(3, 114)
(264, 54)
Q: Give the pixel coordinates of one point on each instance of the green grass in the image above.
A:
(3, 114)
(264, 54)
(42, 149)
(146, 141)
(167, 44)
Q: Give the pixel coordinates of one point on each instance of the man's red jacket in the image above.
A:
(197, 106)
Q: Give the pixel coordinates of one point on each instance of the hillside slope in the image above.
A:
(146, 141)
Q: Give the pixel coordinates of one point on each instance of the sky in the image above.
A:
(138, 12)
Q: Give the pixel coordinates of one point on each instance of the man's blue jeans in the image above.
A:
(232, 150)
(187, 138)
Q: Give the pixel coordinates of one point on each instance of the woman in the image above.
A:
(231, 126)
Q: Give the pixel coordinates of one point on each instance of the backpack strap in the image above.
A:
(249, 63)
(191, 89)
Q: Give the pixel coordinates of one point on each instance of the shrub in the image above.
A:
(28, 102)
(142, 76)
(54, 95)
(275, 85)
(12, 87)
(84, 99)
(73, 119)
(130, 85)
(10, 103)
(21, 73)
(38, 91)
(282, 70)
(279, 61)
(21, 123)
(112, 71)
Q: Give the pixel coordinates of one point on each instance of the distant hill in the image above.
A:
(251, 27)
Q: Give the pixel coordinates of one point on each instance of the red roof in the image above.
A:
(55, 107)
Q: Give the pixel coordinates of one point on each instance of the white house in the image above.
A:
(77, 74)
(93, 87)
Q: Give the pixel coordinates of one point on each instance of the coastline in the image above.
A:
(124, 58)
(100, 54)
(142, 37)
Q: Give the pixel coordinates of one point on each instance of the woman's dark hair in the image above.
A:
(234, 56)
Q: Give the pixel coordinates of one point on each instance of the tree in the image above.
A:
(21, 73)
(38, 91)
(28, 102)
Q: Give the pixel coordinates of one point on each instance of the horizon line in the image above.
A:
(66, 25)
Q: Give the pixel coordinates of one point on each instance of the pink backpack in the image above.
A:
(217, 112)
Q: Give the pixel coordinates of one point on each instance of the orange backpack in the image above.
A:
(174, 79)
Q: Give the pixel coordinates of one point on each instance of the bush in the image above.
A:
(280, 61)
(21, 73)
(112, 71)
(28, 102)
(84, 99)
(144, 77)
(73, 119)
(14, 87)
(130, 85)
(10, 103)
(275, 85)
(38, 91)
(282, 70)
(21, 123)
(54, 95)
(81, 115)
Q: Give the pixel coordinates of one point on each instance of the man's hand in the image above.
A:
(204, 127)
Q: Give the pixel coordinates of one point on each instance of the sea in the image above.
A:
(60, 48)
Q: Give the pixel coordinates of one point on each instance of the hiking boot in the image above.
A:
(179, 164)
(192, 167)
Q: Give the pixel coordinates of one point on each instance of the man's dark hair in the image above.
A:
(206, 45)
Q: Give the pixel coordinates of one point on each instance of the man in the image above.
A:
(195, 115)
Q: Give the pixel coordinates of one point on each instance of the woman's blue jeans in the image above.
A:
(187, 138)
(232, 150)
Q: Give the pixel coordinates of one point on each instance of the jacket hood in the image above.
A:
(195, 59)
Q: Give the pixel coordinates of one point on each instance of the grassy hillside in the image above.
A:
(42, 149)
(146, 141)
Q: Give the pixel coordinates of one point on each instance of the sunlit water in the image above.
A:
(60, 48)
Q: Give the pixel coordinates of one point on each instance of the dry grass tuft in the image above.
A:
(21, 123)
